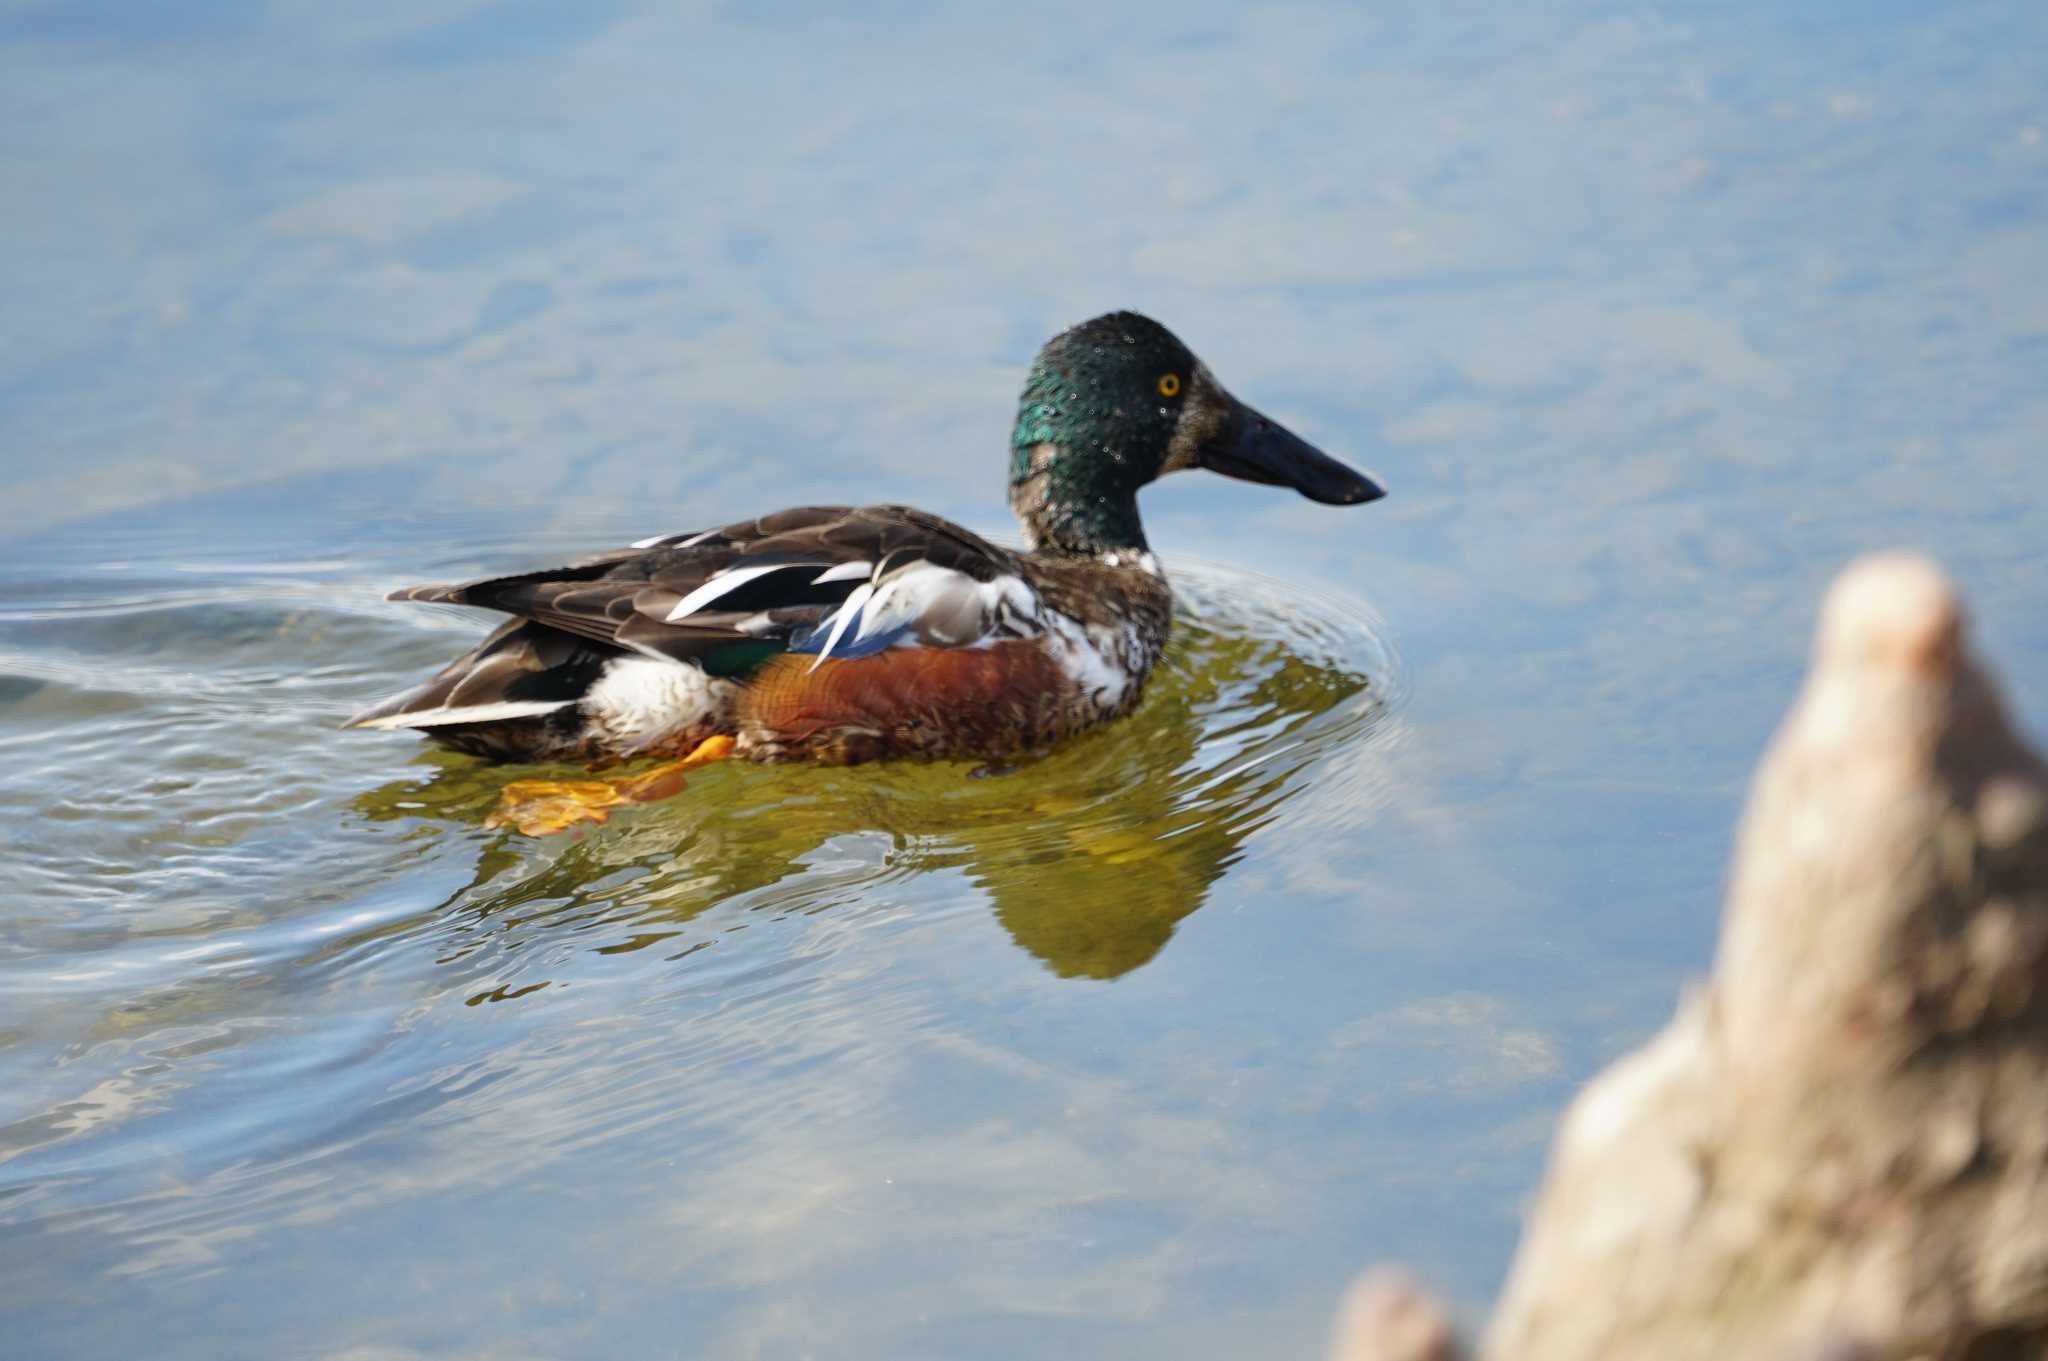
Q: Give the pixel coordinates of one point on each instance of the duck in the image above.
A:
(843, 634)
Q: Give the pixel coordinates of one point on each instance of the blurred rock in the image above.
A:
(1388, 1315)
(1839, 1146)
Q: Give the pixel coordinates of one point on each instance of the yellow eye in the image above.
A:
(1169, 384)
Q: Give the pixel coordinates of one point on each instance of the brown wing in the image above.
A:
(765, 580)
(523, 670)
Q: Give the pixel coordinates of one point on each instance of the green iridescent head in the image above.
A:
(1113, 403)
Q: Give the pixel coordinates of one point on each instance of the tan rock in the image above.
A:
(1839, 1145)
(1388, 1315)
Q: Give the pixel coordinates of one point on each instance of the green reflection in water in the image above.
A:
(1090, 856)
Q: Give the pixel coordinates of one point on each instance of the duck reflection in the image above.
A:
(1090, 856)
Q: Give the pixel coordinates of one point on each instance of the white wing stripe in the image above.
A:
(720, 585)
(472, 713)
(845, 571)
(842, 619)
(872, 617)
(671, 541)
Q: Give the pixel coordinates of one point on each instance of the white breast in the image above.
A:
(1091, 659)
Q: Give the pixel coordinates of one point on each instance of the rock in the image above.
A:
(1839, 1145)
(1388, 1315)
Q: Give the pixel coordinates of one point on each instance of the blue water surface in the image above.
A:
(1651, 316)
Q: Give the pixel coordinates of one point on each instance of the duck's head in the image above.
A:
(1117, 401)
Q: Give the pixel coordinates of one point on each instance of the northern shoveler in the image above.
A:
(835, 634)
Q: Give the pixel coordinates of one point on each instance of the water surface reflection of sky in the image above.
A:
(1650, 316)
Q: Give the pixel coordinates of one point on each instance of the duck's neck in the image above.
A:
(1066, 516)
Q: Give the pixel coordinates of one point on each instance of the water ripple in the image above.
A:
(263, 945)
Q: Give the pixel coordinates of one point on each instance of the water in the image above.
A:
(331, 996)
(1649, 317)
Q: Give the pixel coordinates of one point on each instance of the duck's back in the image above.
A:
(824, 633)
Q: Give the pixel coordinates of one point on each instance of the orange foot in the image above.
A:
(538, 807)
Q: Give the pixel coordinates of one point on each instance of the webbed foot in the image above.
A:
(539, 807)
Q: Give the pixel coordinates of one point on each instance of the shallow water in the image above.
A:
(257, 990)
(1650, 318)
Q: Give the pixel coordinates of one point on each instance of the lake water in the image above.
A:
(1650, 316)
